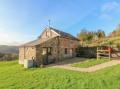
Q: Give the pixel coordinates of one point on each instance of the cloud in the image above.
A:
(110, 6)
(109, 9)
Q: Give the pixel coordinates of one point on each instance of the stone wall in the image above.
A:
(38, 55)
(52, 43)
(30, 52)
(71, 46)
(21, 55)
(26, 53)
(58, 45)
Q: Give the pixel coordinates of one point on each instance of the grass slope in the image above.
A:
(89, 63)
(13, 76)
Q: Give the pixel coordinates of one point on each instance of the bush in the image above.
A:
(8, 57)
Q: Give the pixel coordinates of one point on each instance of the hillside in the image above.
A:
(8, 49)
(115, 41)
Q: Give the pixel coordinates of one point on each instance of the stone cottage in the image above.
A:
(51, 46)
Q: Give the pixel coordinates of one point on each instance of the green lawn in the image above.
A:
(13, 76)
(89, 63)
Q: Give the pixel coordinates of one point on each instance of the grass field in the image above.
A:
(89, 63)
(13, 76)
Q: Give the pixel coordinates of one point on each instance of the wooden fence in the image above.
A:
(106, 53)
(99, 52)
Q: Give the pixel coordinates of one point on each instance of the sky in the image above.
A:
(23, 20)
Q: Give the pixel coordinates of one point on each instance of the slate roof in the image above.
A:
(61, 33)
(32, 43)
(35, 42)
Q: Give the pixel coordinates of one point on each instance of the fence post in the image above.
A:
(97, 54)
(109, 53)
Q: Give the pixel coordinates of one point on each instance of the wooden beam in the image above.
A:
(101, 52)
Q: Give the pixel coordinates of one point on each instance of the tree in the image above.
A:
(88, 37)
(116, 32)
(100, 34)
(82, 36)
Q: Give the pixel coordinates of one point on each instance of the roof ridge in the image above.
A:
(64, 34)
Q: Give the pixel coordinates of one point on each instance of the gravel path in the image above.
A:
(90, 69)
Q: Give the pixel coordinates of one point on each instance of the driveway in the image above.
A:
(67, 65)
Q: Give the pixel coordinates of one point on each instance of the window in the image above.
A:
(49, 51)
(65, 50)
(44, 51)
(71, 50)
(48, 34)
